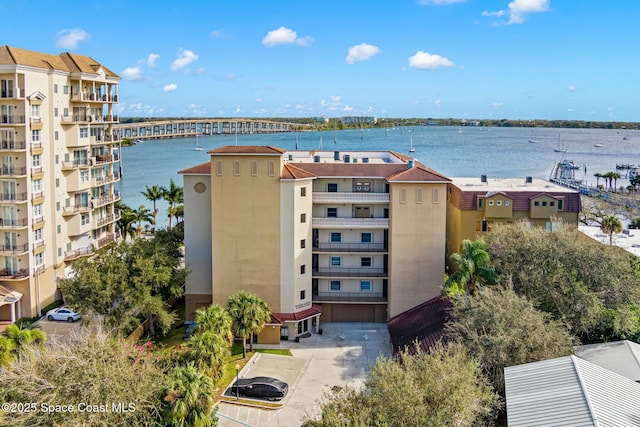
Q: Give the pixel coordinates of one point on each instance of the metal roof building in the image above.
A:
(569, 391)
(621, 357)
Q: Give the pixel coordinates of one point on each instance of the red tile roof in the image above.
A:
(352, 169)
(418, 173)
(468, 200)
(301, 315)
(201, 169)
(424, 323)
(248, 149)
(291, 171)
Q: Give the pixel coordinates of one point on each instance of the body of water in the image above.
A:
(452, 151)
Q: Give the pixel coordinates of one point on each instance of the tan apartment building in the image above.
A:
(60, 164)
(475, 204)
(351, 235)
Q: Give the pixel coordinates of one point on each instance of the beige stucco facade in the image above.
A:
(60, 164)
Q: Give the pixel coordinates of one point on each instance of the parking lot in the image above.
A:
(340, 356)
(56, 329)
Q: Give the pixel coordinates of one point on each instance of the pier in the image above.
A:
(183, 128)
(564, 173)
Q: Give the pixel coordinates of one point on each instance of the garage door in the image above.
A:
(352, 313)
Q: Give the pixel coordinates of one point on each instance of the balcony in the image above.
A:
(13, 197)
(101, 159)
(12, 93)
(11, 119)
(72, 210)
(349, 272)
(350, 222)
(77, 253)
(14, 223)
(349, 297)
(112, 138)
(38, 244)
(93, 97)
(104, 241)
(349, 247)
(106, 199)
(14, 249)
(14, 171)
(36, 170)
(81, 164)
(14, 274)
(13, 145)
(350, 197)
(95, 182)
(107, 219)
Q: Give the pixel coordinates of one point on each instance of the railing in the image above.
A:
(349, 247)
(105, 241)
(105, 158)
(75, 209)
(350, 272)
(103, 200)
(14, 274)
(38, 244)
(36, 170)
(350, 222)
(68, 255)
(11, 92)
(350, 197)
(76, 164)
(37, 219)
(13, 197)
(363, 296)
(111, 118)
(36, 120)
(6, 119)
(104, 221)
(13, 145)
(12, 171)
(14, 223)
(36, 144)
(105, 179)
(37, 194)
(14, 249)
(112, 138)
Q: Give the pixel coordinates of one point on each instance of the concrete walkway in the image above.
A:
(341, 356)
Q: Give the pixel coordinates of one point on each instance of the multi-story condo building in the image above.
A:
(353, 236)
(60, 165)
(475, 204)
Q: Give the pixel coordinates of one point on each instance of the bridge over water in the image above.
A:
(181, 128)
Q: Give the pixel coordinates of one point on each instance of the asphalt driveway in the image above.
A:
(340, 356)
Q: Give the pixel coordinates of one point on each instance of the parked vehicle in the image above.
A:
(261, 387)
(63, 313)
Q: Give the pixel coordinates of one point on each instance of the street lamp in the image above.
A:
(237, 385)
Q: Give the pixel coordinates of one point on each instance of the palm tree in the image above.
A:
(598, 176)
(7, 347)
(175, 196)
(615, 176)
(154, 193)
(609, 225)
(126, 220)
(142, 214)
(16, 340)
(209, 351)
(214, 319)
(189, 398)
(472, 269)
(249, 313)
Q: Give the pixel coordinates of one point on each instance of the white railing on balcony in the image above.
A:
(13, 145)
(349, 272)
(350, 222)
(349, 296)
(349, 247)
(350, 197)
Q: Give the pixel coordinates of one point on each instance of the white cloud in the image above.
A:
(426, 61)
(185, 57)
(171, 87)
(258, 99)
(69, 38)
(282, 35)
(361, 52)
(347, 108)
(336, 98)
(132, 73)
(438, 103)
(496, 105)
(572, 88)
(220, 34)
(230, 77)
(439, 2)
(519, 9)
(151, 59)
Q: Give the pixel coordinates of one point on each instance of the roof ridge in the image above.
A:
(632, 351)
(574, 362)
(11, 54)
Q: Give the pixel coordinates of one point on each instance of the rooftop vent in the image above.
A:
(365, 160)
(483, 178)
(347, 158)
(336, 155)
(290, 157)
(528, 180)
(316, 159)
(355, 160)
(410, 164)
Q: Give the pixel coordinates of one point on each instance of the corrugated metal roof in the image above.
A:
(621, 357)
(569, 391)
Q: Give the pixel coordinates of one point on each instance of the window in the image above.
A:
(435, 197)
(419, 195)
(536, 203)
(58, 229)
(544, 203)
(559, 205)
(37, 234)
(36, 160)
(482, 225)
(303, 191)
(272, 168)
(57, 159)
(365, 261)
(303, 218)
(55, 112)
(303, 269)
(57, 182)
(335, 261)
(57, 206)
(499, 203)
(84, 219)
(37, 210)
(403, 195)
(490, 202)
(332, 212)
(59, 251)
(507, 202)
(55, 135)
(39, 258)
(236, 168)
(336, 237)
(35, 111)
(303, 243)
(552, 203)
(55, 88)
(365, 285)
(37, 185)
(254, 168)
(480, 203)
(84, 132)
(303, 294)
(65, 90)
(332, 187)
(84, 176)
(366, 237)
(219, 168)
(35, 136)
(334, 285)
(65, 112)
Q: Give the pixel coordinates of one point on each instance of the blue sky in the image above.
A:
(519, 59)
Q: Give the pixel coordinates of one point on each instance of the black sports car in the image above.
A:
(262, 387)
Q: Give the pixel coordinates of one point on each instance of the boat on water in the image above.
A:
(597, 144)
(411, 149)
(138, 141)
(560, 150)
(197, 146)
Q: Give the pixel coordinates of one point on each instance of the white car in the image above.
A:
(63, 313)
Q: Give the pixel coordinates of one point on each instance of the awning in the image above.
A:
(8, 296)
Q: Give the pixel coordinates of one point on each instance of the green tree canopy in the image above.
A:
(445, 387)
(189, 398)
(503, 329)
(611, 225)
(153, 194)
(472, 269)
(249, 314)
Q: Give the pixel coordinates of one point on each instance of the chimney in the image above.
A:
(410, 164)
